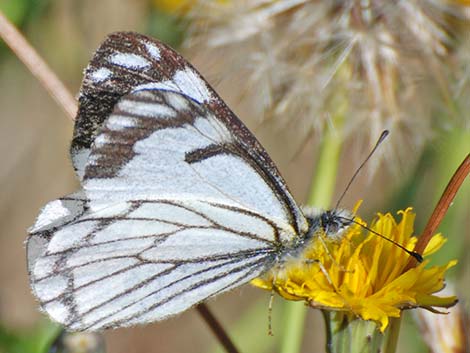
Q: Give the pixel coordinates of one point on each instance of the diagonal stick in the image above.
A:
(441, 208)
(37, 66)
(216, 328)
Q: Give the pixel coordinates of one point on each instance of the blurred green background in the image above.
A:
(35, 168)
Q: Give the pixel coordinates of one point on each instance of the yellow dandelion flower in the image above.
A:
(364, 275)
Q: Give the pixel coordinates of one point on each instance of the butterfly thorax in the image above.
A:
(329, 224)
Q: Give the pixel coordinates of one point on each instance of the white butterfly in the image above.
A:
(179, 201)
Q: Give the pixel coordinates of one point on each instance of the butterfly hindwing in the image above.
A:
(141, 261)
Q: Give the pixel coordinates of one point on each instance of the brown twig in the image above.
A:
(441, 208)
(216, 328)
(36, 65)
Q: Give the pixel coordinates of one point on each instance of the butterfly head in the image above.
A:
(332, 223)
(335, 222)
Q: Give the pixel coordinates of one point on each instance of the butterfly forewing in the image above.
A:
(179, 201)
(172, 145)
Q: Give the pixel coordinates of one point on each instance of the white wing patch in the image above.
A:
(54, 212)
(129, 60)
(185, 81)
(100, 75)
(144, 263)
(191, 84)
(145, 109)
(70, 236)
(132, 228)
(178, 102)
(171, 213)
(119, 123)
(80, 158)
(95, 271)
(153, 50)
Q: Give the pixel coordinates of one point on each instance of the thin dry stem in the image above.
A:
(216, 328)
(36, 65)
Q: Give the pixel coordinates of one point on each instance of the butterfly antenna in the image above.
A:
(382, 137)
(416, 255)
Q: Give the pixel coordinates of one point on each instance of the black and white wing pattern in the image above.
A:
(179, 201)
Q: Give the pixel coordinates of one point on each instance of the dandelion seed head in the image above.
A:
(385, 62)
(445, 333)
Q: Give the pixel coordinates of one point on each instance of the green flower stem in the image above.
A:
(321, 193)
(324, 178)
(350, 336)
(391, 336)
(293, 330)
(346, 334)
